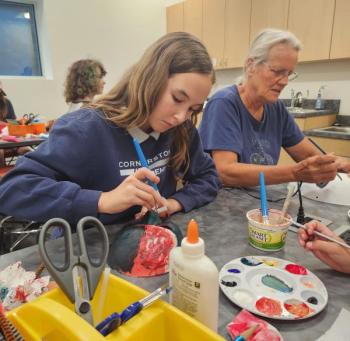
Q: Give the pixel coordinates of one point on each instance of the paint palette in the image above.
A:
(273, 287)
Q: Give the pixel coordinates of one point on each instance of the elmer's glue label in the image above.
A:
(194, 279)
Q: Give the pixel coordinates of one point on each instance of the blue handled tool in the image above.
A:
(263, 200)
(78, 266)
(143, 160)
(113, 321)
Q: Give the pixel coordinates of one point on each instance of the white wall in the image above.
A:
(335, 75)
(116, 32)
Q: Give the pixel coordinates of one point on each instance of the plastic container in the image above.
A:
(194, 279)
(267, 237)
(319, 104)
(52, 317)
(22, 129)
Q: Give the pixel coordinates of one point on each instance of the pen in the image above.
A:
(323, 235)
(263, 200)
(114, 320)
(143, 160)
(323, 152)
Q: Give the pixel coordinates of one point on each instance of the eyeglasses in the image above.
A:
(282, 73)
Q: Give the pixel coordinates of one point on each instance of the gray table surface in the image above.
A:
(223, 227)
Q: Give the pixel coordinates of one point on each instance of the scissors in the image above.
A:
(68, 275)
(29, 118)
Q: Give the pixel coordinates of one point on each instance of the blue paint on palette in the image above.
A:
(234, 271)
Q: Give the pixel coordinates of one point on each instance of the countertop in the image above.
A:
(327, 134)
(312, 113)
(223, 227)
(331, 107)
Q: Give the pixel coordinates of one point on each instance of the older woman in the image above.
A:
(244, 126)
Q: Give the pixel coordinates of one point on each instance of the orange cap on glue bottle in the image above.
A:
(193, 245)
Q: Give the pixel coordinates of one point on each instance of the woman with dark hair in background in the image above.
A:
(8, 113)
(84, 81)
(6, 107)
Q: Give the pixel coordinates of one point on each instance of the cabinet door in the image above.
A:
(237, 19)
(268, 13)
(175, 18)
(193, 16)
(214, 29)
(311, 21)
(341, 30)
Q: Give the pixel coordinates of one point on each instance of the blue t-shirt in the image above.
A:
(228, 125)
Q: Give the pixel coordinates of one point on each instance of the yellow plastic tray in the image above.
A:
(51, 317)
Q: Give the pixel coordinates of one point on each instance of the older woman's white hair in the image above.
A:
(264, 41)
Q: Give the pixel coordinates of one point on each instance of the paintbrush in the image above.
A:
(323, 235)
(144, 164)
(291, 189)
(39, 270)
(263, 200)
(323, 152)
(246, 334)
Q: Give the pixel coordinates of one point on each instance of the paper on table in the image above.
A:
(340, 329)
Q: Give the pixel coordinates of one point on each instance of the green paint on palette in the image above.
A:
(276, 283)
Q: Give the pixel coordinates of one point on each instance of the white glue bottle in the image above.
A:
(194, 279)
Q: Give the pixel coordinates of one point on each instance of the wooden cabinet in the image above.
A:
(307, 124)
(315, 122)
(268, 13)
(226, 27)
(226, 31)
(175, 18)
(311, 21)
(339, 146)
(193, 17)
(340, 47)
(237, 28)
(214, 30)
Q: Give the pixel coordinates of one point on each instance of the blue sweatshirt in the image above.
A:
(85, 155)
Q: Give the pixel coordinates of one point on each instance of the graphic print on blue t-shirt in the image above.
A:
(259, 156)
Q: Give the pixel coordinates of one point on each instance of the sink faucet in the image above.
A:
(298, 99)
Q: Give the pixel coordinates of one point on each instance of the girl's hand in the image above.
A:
(131, 192)
(171, 206)
(334, 255)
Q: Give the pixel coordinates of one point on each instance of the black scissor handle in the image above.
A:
(61, 274)
(93, 267)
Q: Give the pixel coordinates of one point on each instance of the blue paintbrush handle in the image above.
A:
(143, 160)
(263, 200)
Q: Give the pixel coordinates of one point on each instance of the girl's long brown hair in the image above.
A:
(135, 96)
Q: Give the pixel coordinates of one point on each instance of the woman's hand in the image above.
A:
(343, 165)
(316, 169)
(334, 255)
(131, 192)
